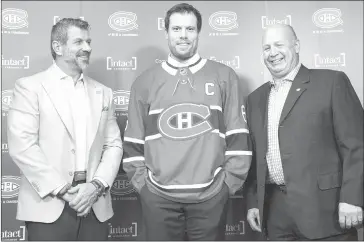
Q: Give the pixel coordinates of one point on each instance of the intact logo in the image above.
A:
(235, 229)
(6, 98)
(223, 21)
(327, 18)
(57, 18)
(14, 235)
(122, 186)
(233, 63)
(330, 61)
(160, 23)
(13, 18)
(121, 65)
(15, 63)
(184, 121)
(121, 231)
(122, 21)
(272, 21)
(10, 186)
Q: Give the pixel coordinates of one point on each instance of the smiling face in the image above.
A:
(280, 50)
(77, 50)
(182, 35)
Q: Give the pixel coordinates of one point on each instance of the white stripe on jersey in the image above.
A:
(152, 137)
(218, 132)
(238, 152)
(198, 67)
(133, 140)
(237, 131)
(155, 111)
(135, 158)
(216, 108)
(183, 186)
(169, 69)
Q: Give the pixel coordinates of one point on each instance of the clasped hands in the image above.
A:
(81, 198)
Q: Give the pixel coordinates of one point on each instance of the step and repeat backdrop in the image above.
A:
(128, 37)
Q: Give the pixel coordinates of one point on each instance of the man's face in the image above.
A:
(280, 51)
(77, 50)
(182, 35)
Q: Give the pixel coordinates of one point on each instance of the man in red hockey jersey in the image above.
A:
(186, 146)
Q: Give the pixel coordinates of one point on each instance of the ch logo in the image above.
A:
(184, 121)
(208, 87)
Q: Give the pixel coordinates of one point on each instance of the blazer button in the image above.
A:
(73, 151)
(70, 173)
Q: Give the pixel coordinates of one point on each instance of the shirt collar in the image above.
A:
(289, 77)
(60, 75)
(187, 63)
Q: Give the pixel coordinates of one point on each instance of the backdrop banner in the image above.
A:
(128, 37)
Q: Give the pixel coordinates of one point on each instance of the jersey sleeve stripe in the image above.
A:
(133, 140)
(237, 131)
(135, 158)
(238, 152)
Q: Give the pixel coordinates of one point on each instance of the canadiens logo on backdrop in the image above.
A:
(233, 63)
(160, 22)
(57, 18)
(6, 98)
(330, 61)
(15, 63)
(10, 187)
(121, 101)
(266, 21)
(122, 187)
(223, 22)
(122, 232)
(235, 229)
(121, 65)
(123, 22)
(4, 148)
(184, 121)
(13, 19)
(326, 19)
(13, 234)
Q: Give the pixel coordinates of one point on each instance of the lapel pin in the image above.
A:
(298, 89)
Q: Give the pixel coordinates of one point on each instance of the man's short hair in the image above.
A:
(183, 8)
(60, 29)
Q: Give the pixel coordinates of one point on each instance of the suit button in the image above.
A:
(73, 151)
(70, 173)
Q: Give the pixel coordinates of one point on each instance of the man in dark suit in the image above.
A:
(306, 179)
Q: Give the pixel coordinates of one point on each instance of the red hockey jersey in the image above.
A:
(187, 133)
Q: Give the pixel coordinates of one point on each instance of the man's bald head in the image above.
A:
(285, 30)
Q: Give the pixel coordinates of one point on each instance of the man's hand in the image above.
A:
(68, 197)
(254, 219)
(350, 215)
(85, 198)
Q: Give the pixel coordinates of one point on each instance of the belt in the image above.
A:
(79, 176)
(282, 188)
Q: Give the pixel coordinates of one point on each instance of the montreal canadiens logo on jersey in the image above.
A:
(184, 121)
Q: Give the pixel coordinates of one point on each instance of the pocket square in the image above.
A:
(105, 109)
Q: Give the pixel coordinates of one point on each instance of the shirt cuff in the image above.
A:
(102, 181)
(56, 191)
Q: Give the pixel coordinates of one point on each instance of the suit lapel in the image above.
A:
(296, 90)
(263, 107)
(59, 97)
(96, 97)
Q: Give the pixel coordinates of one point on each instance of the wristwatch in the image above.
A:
(100, 188)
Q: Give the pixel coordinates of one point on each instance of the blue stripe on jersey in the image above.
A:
(132, 149)
(238, 142)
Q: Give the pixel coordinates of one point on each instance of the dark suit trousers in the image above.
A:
(280, 224)
(168, 220)
(68, 227)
